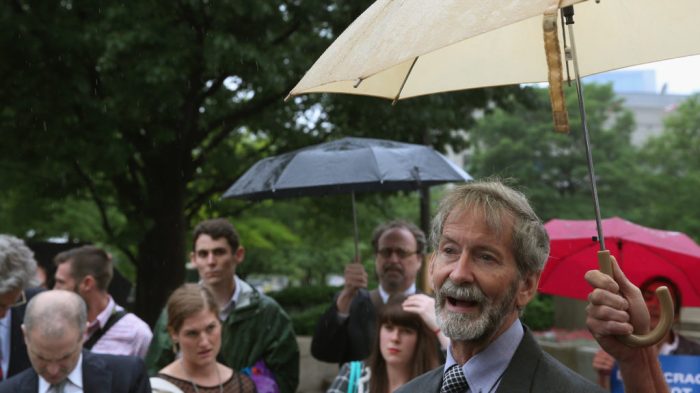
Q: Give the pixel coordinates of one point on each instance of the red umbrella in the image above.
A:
(641, 252)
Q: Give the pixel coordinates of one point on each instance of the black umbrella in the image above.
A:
(347, 165)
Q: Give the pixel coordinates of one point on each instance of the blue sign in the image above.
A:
(682, 374)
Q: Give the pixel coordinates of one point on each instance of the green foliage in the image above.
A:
(303, 297)
(305, 305)
(672, 164)
(539, 313)
(550, 167)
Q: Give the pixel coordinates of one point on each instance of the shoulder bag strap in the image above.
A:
(116, 316)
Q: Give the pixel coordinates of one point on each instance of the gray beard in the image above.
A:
(476, 326)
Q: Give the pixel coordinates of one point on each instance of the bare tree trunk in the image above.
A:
(161, 252)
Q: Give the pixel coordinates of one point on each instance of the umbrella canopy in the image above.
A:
(405, 48)
(641, 252)
(346, 165)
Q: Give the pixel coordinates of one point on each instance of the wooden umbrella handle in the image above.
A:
(665, 320)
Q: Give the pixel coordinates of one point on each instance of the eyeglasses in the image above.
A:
(400, 252)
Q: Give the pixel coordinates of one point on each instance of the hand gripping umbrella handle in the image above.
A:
(665, 320)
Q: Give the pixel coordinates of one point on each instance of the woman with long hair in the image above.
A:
(404, 348)
(194, 327)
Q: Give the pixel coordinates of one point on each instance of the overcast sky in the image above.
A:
(682, 75)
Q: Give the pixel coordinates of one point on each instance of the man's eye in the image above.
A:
(487, 257)
(202, 254)
(449, 250)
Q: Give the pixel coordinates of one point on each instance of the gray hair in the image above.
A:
(52, 312)
(403, 224)
(17, 265)
(497, 201)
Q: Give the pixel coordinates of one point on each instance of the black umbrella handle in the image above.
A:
(665, 320)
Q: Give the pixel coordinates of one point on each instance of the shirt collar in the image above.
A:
(226, 310)
(103, 316)
(75, 377)
(668, 349)
(5, 337)
(385, 295)
(485, 369)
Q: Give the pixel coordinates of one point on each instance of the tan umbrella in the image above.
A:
(406, 48)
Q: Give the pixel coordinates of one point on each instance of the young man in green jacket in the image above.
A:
(255, 327)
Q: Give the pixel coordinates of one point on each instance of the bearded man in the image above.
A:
(490, 248)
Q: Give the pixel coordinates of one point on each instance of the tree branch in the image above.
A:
(96, 198)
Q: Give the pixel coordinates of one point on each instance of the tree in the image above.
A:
(671, 162)
(550, 167)
(142, 113)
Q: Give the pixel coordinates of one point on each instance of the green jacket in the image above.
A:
(257, 328)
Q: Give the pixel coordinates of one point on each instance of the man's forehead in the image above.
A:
(206, 242)
(397, 233)
(477, 215)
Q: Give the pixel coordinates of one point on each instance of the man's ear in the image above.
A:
(25, 335)
(239, 255)
(527, 289)
(88, 283)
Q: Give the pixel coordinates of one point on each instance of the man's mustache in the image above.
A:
(466, 292)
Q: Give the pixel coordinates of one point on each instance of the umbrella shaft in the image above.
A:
(586, 138)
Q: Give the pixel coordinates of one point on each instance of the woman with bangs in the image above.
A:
(404, 349)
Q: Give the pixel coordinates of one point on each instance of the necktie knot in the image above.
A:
(454, 380)
(58, 387)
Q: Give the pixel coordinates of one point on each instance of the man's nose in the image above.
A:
(53, 368)
(462, 271)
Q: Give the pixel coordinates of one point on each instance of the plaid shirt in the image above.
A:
(340, 383)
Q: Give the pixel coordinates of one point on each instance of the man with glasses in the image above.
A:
(53, 328)
(345, 332)
(17, 285)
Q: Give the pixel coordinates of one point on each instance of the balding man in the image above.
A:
(17, 286)
(54, 325)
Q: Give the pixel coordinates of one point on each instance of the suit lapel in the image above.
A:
(522, 366)
(96, 376)
(30, 382)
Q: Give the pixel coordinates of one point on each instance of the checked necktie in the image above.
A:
(454, 380)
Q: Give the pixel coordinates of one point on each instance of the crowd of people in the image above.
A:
(223, 335)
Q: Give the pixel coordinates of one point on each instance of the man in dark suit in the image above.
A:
(490, 248)
(17, 276)
(54, 326)
(346, 330)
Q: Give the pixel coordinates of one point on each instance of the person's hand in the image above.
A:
(603, 364)
(616, 307)
(355, 278)
(424, 306)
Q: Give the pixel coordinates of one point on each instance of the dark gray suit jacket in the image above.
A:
(530, 370)
(19, 361)
(341, 342)
(101, 374)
